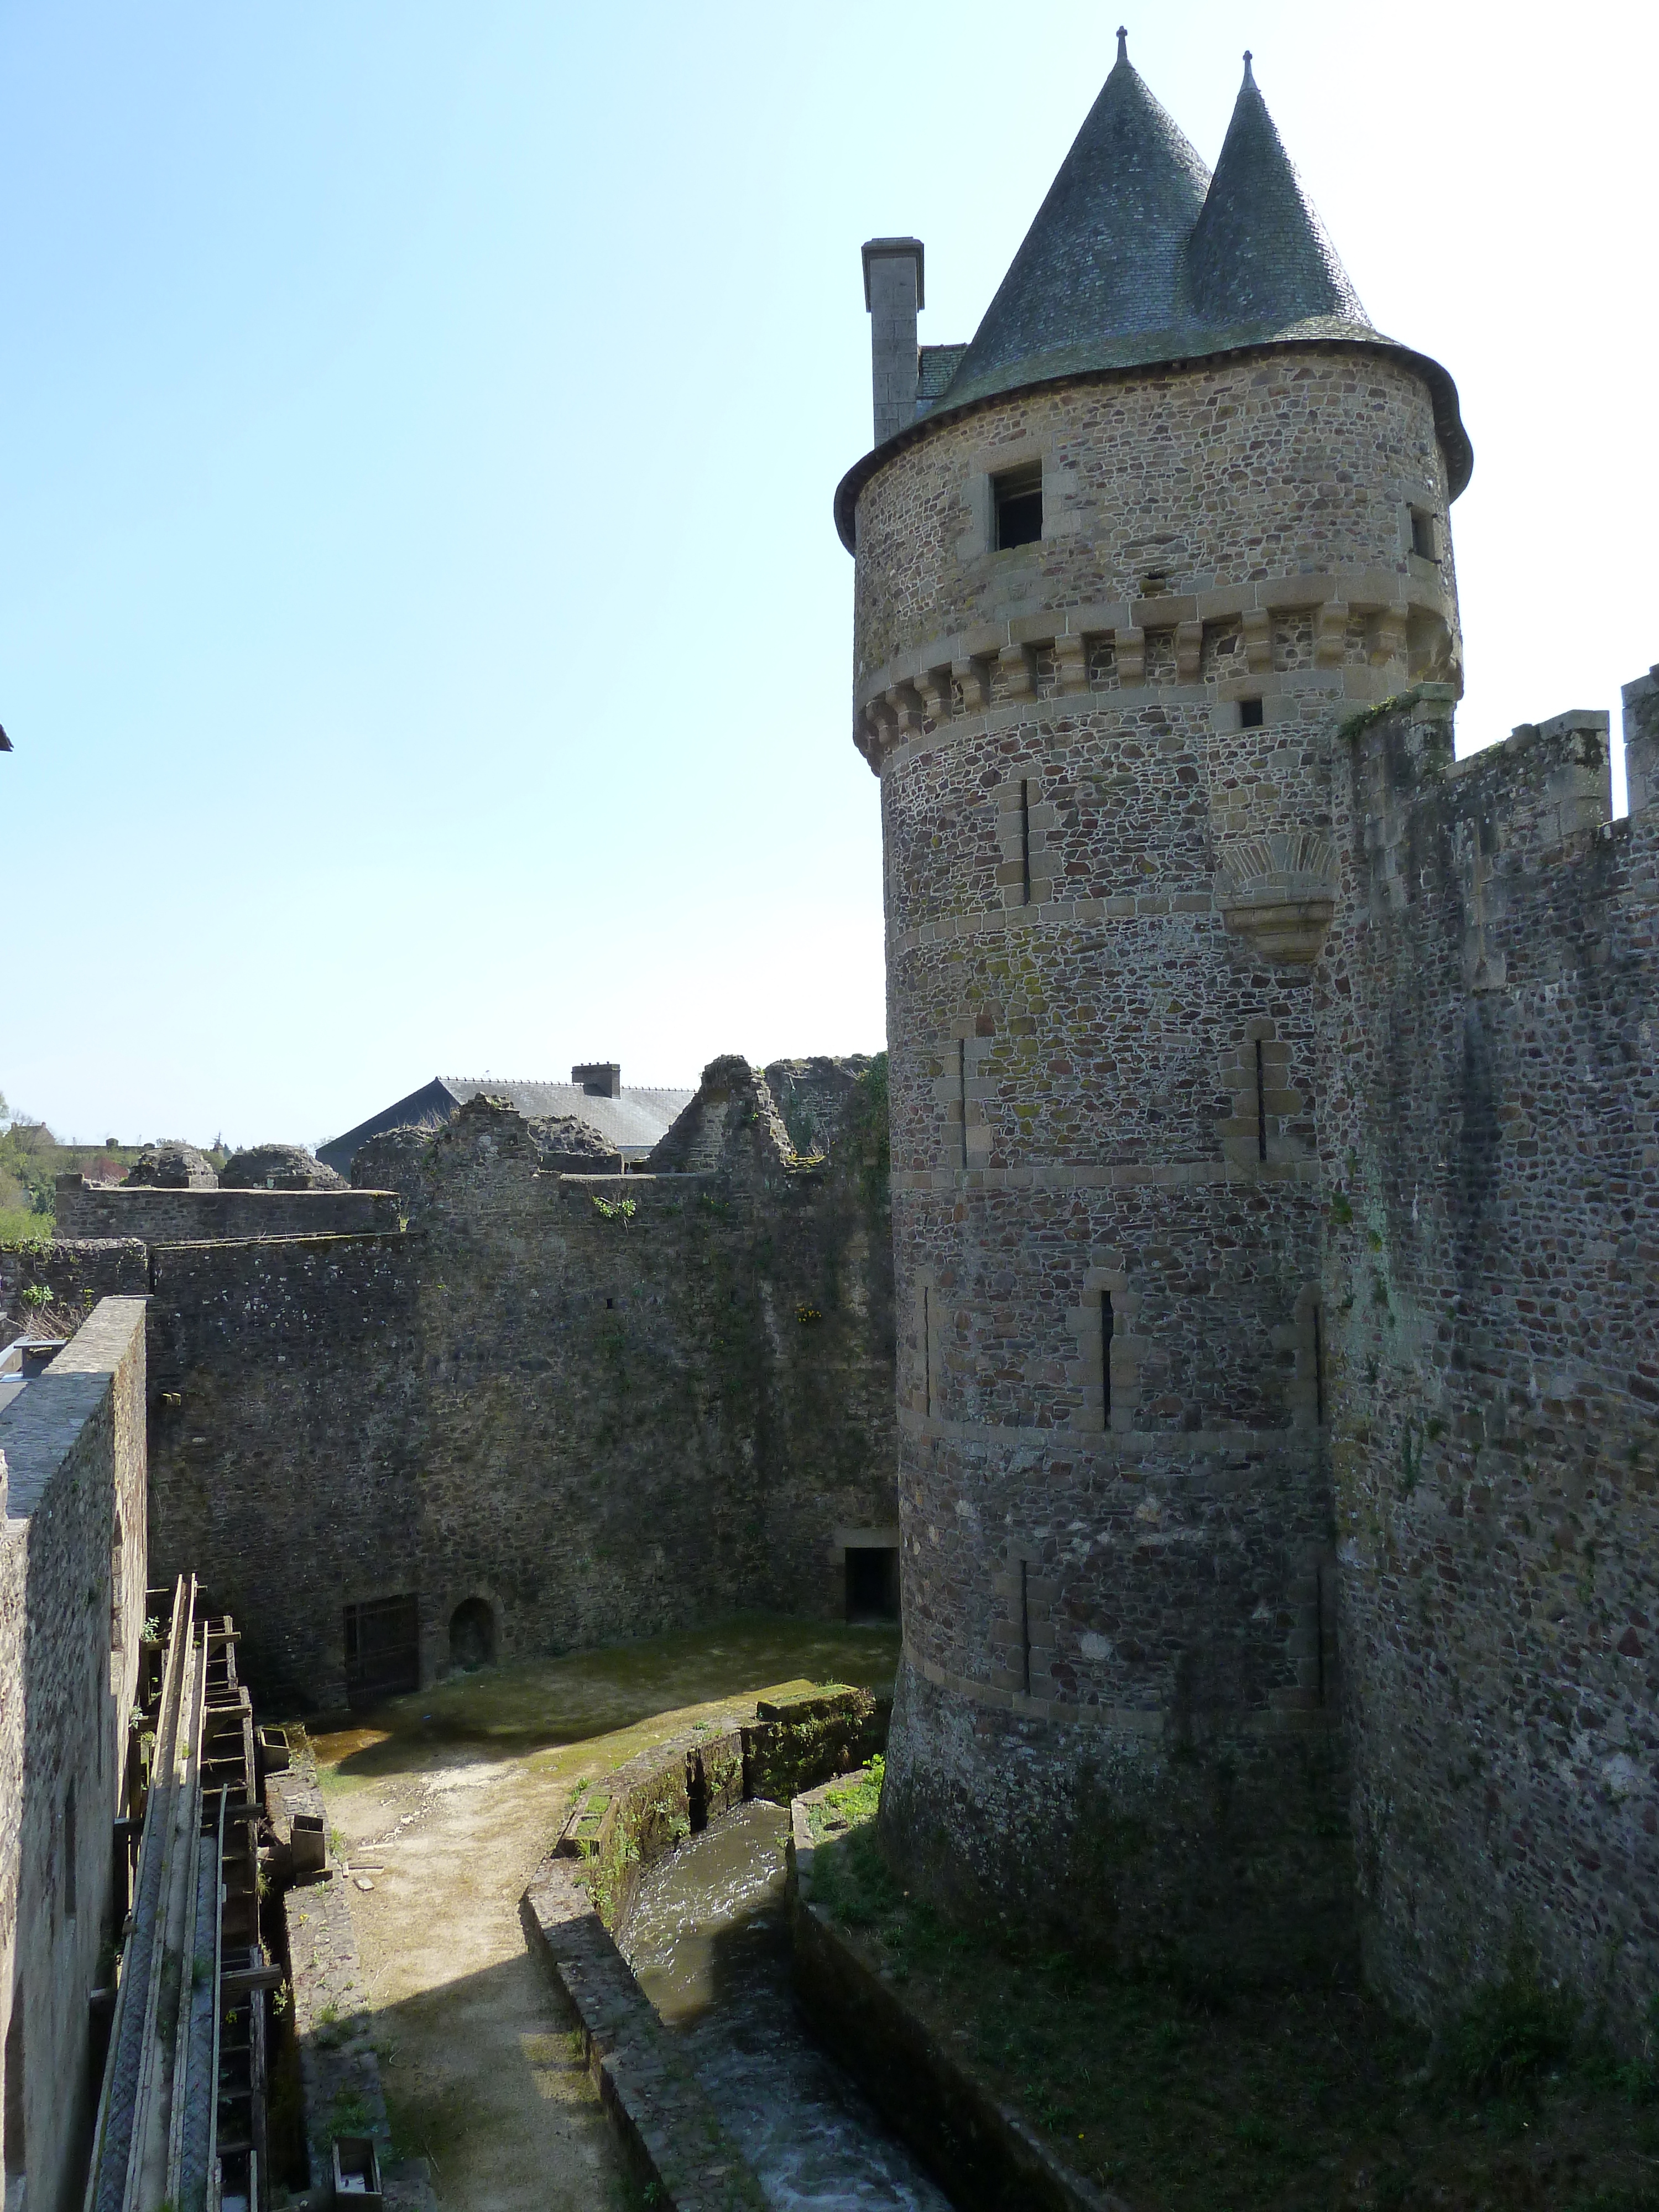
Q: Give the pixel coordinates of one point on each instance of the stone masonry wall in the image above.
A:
(1274, 481)
(604, 1405)
(1489, 1145)
(1107, 891)
(180, 1217)
(72, 1585)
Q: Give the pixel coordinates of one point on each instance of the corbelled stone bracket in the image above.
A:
(1278, 893)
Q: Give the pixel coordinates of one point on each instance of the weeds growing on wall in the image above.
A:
(867, 1145)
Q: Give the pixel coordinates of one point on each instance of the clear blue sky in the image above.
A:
(421, 627)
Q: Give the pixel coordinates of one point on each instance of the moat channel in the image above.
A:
(707, 1938)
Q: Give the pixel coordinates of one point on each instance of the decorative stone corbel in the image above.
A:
(975, 684)
(1258, 628)
(906, 704)
(1189, 651)
(1278, 893)
(1393, 636)
(1131, 646)
(1016, 673)
(1330, 633)
(933, 685)
(1072, 663)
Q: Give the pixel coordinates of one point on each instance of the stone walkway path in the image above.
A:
(445, 1807)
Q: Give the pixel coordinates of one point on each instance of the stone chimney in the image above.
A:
(601, 1079)
(893, 294)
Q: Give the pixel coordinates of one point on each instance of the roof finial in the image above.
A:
(1249, 79)
(1123, 43)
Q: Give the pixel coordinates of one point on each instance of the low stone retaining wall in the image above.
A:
(982, 2150)
(804, 1734)
(583, 1888)
(675, 2140)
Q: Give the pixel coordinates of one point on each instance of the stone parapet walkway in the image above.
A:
(676, 2141)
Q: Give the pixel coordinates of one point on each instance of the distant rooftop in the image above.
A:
(631, 1119)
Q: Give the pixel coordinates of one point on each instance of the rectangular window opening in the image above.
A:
(927, 1351)
(1024, 1628)
(1026, 841)
(1107, 1322)
(1249, 713)
(962, 1092)
(1423, 535)
(872, 1583)
(1018, 497)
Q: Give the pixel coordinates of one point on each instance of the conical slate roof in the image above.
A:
(1106, 255)
(1138, 257)
(1260, 255)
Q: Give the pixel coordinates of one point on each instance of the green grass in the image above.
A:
(20, 1226)
(555, 1708)
(1222, 2099)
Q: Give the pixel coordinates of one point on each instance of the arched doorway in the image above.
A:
(472, 1635)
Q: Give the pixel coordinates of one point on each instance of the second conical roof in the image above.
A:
(1105, 256)
(1260, 256)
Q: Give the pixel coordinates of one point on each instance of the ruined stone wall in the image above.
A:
(177, 1216)
(1492, 1312)
(72, 1586)
(604, 1405)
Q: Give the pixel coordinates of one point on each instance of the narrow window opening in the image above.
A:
(1106, 1323)
(1018, 495)
(1249, 713)
(1026, 841)
(927, 1351)
(1319, 1370)
(962, 1092)
(1024, 1628)
(72, 1853)
(1423, 535)
(1260, 1106)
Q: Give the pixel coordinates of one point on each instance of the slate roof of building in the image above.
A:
(1138, 257)
(631, 1124)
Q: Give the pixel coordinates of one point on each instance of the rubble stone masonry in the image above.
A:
(72, 1589)
(603, 1405)
(1490, 1166)
(1180, 974)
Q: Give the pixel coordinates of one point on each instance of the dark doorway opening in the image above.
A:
(872, 1583)
(382, 1649)
(472, 1636)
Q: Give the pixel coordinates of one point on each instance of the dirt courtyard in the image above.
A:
(443, 1803)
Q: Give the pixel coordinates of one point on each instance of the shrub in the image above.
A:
(1512, 2031)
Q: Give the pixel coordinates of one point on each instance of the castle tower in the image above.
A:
(1123, 565)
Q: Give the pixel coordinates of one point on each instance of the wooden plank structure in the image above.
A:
(181, 2116)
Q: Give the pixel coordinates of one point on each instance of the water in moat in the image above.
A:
(707, 1938)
